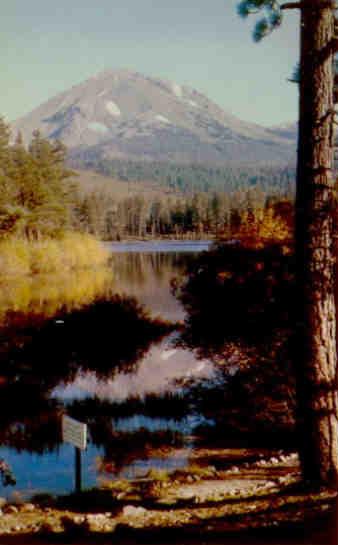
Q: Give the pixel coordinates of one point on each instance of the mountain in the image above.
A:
(126, 115)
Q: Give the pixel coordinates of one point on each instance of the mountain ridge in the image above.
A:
(123, 114)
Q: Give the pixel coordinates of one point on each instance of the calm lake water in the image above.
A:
(111, 387)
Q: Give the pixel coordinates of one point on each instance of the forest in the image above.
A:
(186, 178)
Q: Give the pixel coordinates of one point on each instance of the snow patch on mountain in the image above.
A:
(192, 103)
(177, 90)
(98, 127)
(113, 108)
(162, 119)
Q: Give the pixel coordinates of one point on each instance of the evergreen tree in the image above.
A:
(315, 357)
(35, 197)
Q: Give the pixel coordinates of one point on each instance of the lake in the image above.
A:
(100, 383)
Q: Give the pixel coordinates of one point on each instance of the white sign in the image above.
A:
(74, 432)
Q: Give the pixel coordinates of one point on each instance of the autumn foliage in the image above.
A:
(265, 226)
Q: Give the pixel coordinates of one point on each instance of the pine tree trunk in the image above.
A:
(316, 358)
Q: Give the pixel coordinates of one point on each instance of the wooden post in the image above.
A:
(77, 470)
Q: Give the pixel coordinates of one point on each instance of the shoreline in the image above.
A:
(164, 238)
(225, 492)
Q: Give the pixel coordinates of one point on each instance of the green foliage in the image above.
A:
(272, 15)
(295, 77)
(34, 196)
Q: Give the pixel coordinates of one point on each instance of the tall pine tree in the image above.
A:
(315, 356)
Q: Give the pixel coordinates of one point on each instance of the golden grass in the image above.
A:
(19, 257)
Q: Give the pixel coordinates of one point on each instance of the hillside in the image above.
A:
(124, 176)
(89, 182)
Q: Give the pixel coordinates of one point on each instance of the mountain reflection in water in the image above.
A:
(98, 346)
(156, 371)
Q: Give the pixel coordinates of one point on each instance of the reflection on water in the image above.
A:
(94, 344)
(161, 366)
(47, 294)
(148, 277)
(145, 275)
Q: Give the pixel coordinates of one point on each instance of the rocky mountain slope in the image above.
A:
(127, 115)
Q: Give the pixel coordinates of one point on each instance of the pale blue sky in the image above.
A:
(51, 45)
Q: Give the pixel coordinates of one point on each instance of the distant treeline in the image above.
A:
(273, 179)
(201, 201)
(196, 216)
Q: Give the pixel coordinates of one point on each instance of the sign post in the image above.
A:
(75, 433)
(77, 470)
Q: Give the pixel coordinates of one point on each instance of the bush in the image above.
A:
(14, 257)
(237, 292)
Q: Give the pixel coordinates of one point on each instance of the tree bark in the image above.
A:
(316, 357)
